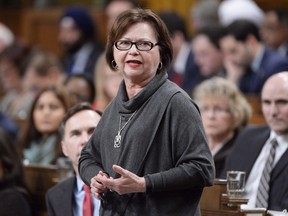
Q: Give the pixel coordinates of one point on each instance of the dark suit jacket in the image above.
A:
(246, 149)
(8, 125)
(271, 63)
(90, 64)
(191, 76)
(221, 156)
(13, 202)
(59, 199)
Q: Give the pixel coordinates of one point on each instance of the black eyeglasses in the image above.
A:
(124, 45)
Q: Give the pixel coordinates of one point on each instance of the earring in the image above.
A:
(160, 66)
(114, 65)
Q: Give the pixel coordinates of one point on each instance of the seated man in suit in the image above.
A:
(68, 197)
(207, 53)
(183, 70)
(262, 150)
(274, 30)
(248, 61)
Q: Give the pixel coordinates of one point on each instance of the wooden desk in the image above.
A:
(39, 180)
(214, 202)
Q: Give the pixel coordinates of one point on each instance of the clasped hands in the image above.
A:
(127, 183)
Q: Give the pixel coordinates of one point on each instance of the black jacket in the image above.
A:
(247, 147)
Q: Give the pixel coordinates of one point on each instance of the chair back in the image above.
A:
(39, 180)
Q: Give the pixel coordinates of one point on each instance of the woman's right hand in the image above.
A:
(97, 188)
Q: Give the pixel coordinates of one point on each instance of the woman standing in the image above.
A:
(149, 154)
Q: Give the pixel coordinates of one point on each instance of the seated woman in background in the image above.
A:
(13, 195)
(224, 112)
(40, 142)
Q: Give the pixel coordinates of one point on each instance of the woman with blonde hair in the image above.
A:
(224, 111)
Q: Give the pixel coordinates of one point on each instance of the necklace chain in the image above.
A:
(117, 140)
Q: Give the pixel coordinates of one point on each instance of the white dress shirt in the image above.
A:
(258, 167)
(181, 59)
(79, 195)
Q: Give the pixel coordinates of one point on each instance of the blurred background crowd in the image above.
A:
(52, 57)
(61, 43)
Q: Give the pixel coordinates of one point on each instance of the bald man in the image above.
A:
(253, 147)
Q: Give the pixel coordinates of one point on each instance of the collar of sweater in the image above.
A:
(128, 106)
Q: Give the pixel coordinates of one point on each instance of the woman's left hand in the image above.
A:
(127, 183)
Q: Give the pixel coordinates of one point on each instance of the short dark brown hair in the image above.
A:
(131, 17)
(72, 111)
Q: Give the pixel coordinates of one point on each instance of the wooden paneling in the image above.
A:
(39, 180)
(181, 6)
(12, 18)
(40, 27)
(266, 4)
(257, 115)
(215, 202)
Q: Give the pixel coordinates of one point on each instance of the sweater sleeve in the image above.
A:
(193, 162)
(89, 162)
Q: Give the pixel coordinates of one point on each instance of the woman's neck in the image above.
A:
(133, 88)
(46, 136)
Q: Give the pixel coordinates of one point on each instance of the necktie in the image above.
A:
(87, 203)
(263, 189)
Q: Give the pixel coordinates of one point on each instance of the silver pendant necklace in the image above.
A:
(117, 139)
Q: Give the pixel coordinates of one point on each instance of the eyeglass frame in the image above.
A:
(215, 110)
(135, 43)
